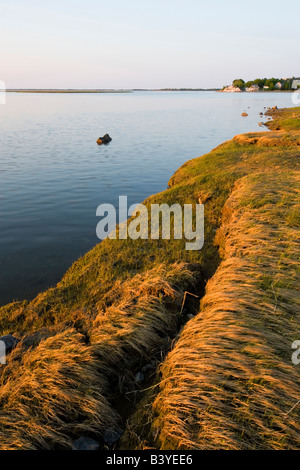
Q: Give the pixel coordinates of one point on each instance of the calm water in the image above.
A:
(53, 175)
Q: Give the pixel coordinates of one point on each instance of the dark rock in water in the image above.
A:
(104, 140)
(139, 378)
(111, 437)
(85, 443)
(10, 342)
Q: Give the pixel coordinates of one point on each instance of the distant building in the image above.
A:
(232, 89)
(279, 86)
(266, 87)
(296, 84)
(253, 87)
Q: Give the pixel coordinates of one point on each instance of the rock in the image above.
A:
(148, 368)
(10, 342)
(190, 316)
(244, 114)
(34, 339)
(85, 443)
(155, 363)
(111, 437)
(139, 378)
(104, 140)
(274, 107)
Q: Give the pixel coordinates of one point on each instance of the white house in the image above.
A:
(253, 87)
(232, 89)
(279, 86)
(295, 84)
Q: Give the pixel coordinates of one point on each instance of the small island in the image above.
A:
(263, 84)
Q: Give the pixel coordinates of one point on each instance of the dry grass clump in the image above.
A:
(269, 139)
(140, 318)
(59, 384)
(230, 382)
(50, 393)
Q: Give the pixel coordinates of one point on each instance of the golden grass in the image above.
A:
(229, 381)
(58, 385)
(279, 138)
(142, 318)
(50, 393)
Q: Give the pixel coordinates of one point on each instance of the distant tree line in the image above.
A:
(264, 82)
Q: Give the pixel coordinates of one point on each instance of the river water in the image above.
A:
(53, 175)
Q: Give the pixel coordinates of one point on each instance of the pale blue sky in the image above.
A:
(153, 44)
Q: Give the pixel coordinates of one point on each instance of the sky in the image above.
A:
(146, 44)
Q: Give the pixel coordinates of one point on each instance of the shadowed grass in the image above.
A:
(59, 384)
(50, 393)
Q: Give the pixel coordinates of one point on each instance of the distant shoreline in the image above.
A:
(60, 90)
(258, 91)
(74, 91)
(42, 90)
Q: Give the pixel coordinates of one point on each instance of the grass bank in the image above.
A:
(224, 378)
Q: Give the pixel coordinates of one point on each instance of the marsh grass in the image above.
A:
(229, 381)
(59, 383)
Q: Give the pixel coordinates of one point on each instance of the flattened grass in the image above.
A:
(229, 381)
(60, 384)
